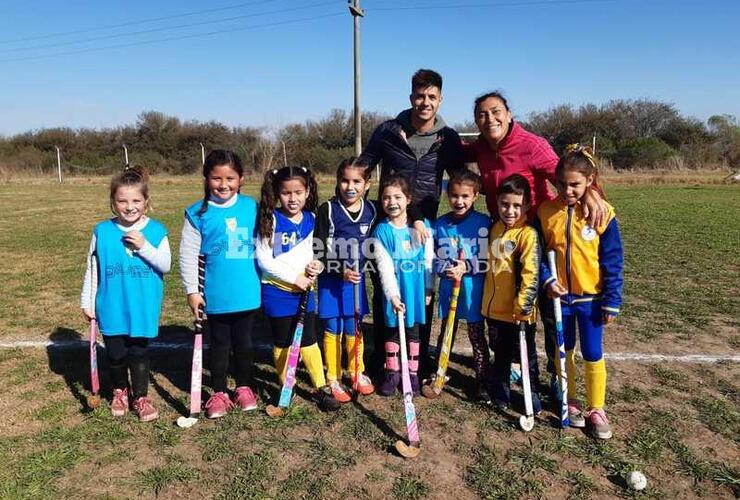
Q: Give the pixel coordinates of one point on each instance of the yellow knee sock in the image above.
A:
(311, 356)
(595, 375)
(280, 355)
(332, 356)
(572, 371)
(349, 347)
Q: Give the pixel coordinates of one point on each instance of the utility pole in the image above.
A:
(357, 13)
(202, 153)
(59, 164)
(125, 154)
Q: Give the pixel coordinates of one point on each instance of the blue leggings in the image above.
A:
(590, 328)
(342, 324)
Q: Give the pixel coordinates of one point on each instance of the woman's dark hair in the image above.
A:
(580, 159)
(352, 162)
(131, 176)
(396, 180)
(465, 177)
(216, 158)
(516, 184)
(271, 193)
(496, 93)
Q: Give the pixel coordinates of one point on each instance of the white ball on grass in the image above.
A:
(636, 480)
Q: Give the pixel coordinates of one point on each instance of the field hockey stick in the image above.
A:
(434, 389)
(196, 371)
(358, 327)
(290, 368)
(93, 400)
(412, 449)
(562, 373)
(526, 421)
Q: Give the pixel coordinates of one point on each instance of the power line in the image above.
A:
(487, 4)
(182, 37)
(166, 28)
(139, 21)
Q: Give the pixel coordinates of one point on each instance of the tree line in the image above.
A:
(629, 134)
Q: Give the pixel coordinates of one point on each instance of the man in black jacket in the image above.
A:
(420, 145)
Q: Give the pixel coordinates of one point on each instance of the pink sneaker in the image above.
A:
(218, 405)
(599, 424)
(575, 415)
(145, 410)
(245, 398)
(119, 403)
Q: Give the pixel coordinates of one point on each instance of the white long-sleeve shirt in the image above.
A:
(160, 258)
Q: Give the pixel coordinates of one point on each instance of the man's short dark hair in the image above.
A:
(426, 78)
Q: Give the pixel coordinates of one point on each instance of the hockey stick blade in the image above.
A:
(526, 423)
(186, 422)
(411, 450)
(430, 392)
(274, 411)
(93, 401)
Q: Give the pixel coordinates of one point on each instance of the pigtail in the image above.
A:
(312, 201)
(268, 201)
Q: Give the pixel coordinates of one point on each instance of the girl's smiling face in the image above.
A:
(572, 185)
(129, 204)
(394, 202)
(293, 195)
(511, 208)
(352, 185)
(223, 182)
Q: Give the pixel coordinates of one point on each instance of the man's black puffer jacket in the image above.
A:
(388, 145)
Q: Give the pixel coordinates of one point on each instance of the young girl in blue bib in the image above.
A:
(123, 289)
(343, 224)
(405, 269)
(289, 268)
(222, 228)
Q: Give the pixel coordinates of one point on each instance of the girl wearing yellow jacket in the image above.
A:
(511, 285)
(589, 268)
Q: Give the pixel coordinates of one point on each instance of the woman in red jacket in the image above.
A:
(503, 148)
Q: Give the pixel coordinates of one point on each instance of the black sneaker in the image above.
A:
(325, 400)
(482, 397)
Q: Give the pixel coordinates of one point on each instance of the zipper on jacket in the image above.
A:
(567, 251)
(493, 294)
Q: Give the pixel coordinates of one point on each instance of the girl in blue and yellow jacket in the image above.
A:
(510, 291)
(589, 266)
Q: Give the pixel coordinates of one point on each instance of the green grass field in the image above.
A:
(677, 422)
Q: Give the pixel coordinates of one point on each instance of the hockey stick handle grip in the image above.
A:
(201, 289)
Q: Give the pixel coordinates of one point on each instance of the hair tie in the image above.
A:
(274, 171)
(305, 170)
(583, 150)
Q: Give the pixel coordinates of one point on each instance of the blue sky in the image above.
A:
(256, 71)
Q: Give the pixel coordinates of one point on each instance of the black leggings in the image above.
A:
(231, 331)
(128, 354)
(284, 327)
(505, 344)
(412, 334)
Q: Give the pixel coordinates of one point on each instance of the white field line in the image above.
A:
(182, 346)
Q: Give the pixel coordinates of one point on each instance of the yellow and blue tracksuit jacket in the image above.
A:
(589, 261)
(512, 279)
